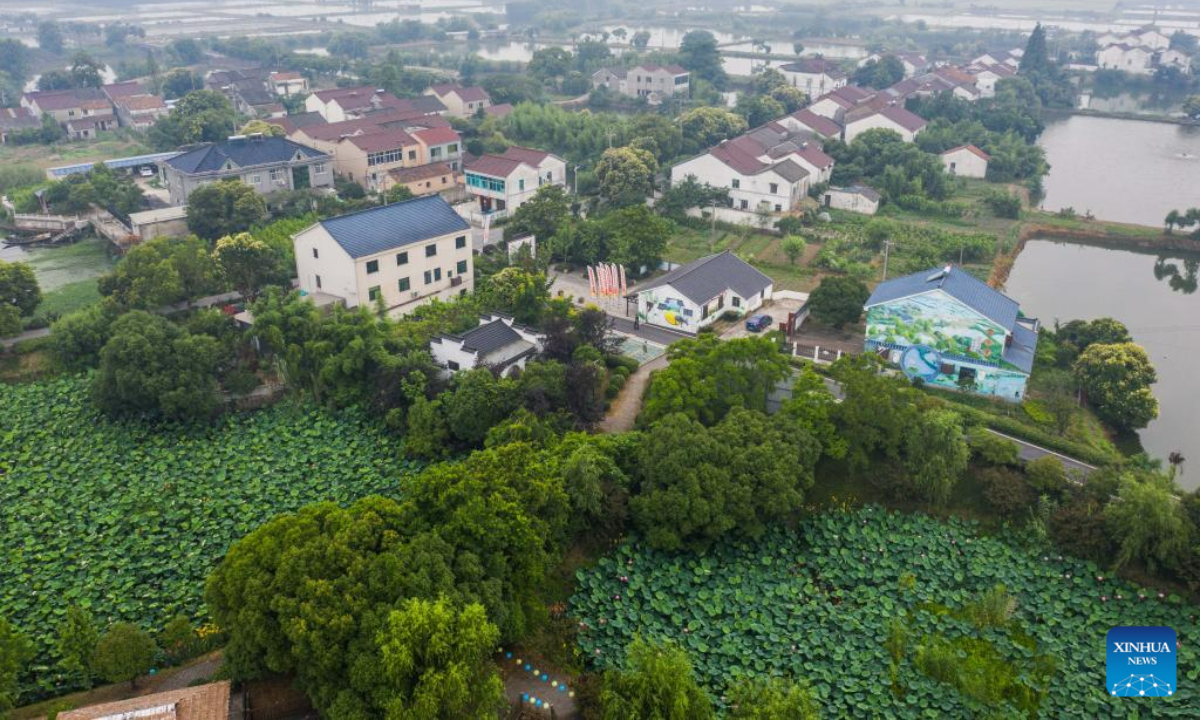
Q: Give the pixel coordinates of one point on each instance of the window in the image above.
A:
(737, 301)
(386, 157)
(431, 250)
(372, 267)
(402, 258)
(485, 183)
(460, 242)
(778, 207)
(745, 204)
(521, 184)
(256, 179)
(315, 253)
(435, 152)
(735, 183)
(452, 148)
(774, 188)
(452, 365)
(318, 282)
(403, 285)
(319, 168)
(373, 293)
(432, 276)
(412, 154)
(461, 267)
(277, 175)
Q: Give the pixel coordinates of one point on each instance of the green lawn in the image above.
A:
(761, 250)
(67, 274)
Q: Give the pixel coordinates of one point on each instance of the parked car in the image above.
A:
(146, 171)
(758, 323)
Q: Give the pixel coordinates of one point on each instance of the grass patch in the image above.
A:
(66, 153)
(68, 298)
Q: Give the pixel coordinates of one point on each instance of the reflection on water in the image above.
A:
(1154, 294)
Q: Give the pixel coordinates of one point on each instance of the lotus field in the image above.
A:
(128, 519)
(887, 615)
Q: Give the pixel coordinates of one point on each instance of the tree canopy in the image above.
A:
(224, 208)
(656, 682)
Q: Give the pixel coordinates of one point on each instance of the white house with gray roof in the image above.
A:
(267, 164)
(497, 343)
(694, 295)
(405, 254)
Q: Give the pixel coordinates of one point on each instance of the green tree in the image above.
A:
(794, 247)
(626, 175)
(50, 37)
(542, 215)
(1046, 475)
(1036, 58)
(758, 109)
(15, 651)
(437, 662)
(656, 682)
(838, 300)
(1147, 522)
(123, 653)
(246, 262)
(550, 63)
(936, 454)
(740, 476)
(198, 116)
(1116, 379)
(476, 402)
(179, 82)
(708, 377)
(76, 339)
(637, 238)
(704, 127)
(517, 292)
(1191, 107)
(178, 639)
(224, 208)
(19, 287)
(698, 53)
(187, 51)
(991, 449)
(77, 640)
(770, 699)
(880, 74)
(161, 271)
(150, 365)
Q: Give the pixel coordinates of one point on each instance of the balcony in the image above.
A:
(456, 281)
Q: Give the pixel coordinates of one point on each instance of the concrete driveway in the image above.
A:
(777, 308)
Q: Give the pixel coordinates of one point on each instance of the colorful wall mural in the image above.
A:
(936, 338)
(659, 306)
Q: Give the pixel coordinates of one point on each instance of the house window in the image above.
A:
(412, 154)
(319, 168)
(432, 276)
(461, 267)
(452, 365)
(318, 282)
(521, 184)
(435, 152)
(372, 267)
(774, 188)
(402, 258)
(737, 301)
(735, 183)
(453, 148)
(315, 253)
(403, 285)
(277, 175)
(745, 204)
(460, 242)
(373, 293)
(431, 250)
(778, 207)
(256, 179)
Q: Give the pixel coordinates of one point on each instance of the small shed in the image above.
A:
(855, 198)
(966, 161)
(164, 222)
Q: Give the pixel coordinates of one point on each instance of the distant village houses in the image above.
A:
(655, 83)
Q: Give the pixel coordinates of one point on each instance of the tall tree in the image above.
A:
(123, 653)
(246, 262)
(1148, 523)
(626, 175)
(199, 116)
(540, 216)
(15, 651)
(770, 699)
(637, 237)
(936, 454)
(437, 662)
(50, 37)
(77, 640)
(1116, 379)
(698, 53)
(1036, 58)
(19, 287)
(656, 682)
(838, 300)
(224, 208)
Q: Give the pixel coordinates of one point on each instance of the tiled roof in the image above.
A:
(702, 280)
(652, 67)
(500, 110)
(494, 166)
(814, 66)
(381, 140)
(969, 148)
(908, 120)
(819, 124)
(64, 99)
(143, 102)
(420, 172)
(286, 75)
(437, 135)
(490, 337)
(738, 159)
(17, 118)
(956, 283)
(202, 702)
(867, 192)
(379, 229)
(529, 156)
(247, 152)
(1024, 345)
(815, 155)
(789, 170)
(336, 130)
(473, 93)
(125, 89)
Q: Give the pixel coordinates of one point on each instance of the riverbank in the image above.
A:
(1116, 115)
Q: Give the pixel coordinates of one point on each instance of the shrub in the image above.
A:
(1046, 475)
(990, 448)
(1077, 527)
(1006, 491)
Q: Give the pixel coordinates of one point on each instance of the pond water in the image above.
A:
(1155, 296)
(1135, 103)
(1131, 171)
(667, 37)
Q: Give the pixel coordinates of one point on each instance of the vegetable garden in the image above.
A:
(888, 615)
(128, 518)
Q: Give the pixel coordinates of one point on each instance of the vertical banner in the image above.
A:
(591, 281)
(624, 287)
(487, 224)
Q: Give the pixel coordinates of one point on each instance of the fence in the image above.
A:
(57, 223)
(816, 353)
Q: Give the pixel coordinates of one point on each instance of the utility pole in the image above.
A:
(887, 246)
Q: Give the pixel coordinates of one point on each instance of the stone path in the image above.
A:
(625, 408)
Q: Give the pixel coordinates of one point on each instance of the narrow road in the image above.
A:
(625, 408)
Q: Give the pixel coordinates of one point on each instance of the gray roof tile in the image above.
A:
(702, 280)
(376, 230)
(247, 152)
(956, 283)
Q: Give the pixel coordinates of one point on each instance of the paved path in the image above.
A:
(1029, 451)
(625, 408)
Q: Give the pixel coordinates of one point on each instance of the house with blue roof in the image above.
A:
(267, 164)
(402, 255)
(948, 328)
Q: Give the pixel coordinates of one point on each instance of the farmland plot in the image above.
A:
(857, 603)
(128, 518)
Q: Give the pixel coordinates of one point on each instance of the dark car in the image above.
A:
(758, 323)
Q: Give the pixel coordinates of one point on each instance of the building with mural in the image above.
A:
(950, 329)
(694, 295)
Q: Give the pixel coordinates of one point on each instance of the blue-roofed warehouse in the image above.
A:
(266, 163)
(951, 329)
(402, 255)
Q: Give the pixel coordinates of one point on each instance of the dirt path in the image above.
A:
(625, 408)
(523, 688)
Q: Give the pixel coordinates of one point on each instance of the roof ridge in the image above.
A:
(380, 207)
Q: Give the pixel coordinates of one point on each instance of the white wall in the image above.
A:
(965, 163)
(828, 108)
(753, 189)
(849, 201)
(812, 83)
(872, 122)
(333, 264)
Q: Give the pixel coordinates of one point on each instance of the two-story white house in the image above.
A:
(815, 76)
(753, 184)
(498, 343)
(653, 82)
(889, 117)
(460, 101)
(1134, 59)
(404, 255)
(503, 183)
(836, 103)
